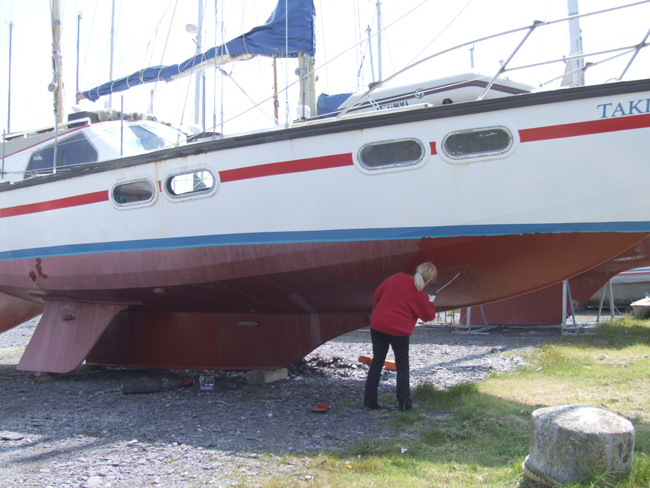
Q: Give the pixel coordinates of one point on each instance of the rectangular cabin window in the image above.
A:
(70, 152)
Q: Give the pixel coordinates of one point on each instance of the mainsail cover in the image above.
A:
(268, 39)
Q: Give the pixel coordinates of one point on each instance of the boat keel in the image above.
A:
(148, 339)
(65, 334)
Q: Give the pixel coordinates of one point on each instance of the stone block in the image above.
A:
(571, 442)
(258, 376)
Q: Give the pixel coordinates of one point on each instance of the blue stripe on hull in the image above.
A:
(337, 235)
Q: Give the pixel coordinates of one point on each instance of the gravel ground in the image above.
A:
(89, 429)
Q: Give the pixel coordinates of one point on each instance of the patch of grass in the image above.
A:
(477, 435)
(351, 402)
(434, 399)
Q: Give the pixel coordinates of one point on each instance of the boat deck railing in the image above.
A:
(630, 50)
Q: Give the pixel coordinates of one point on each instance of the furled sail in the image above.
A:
(268, 39)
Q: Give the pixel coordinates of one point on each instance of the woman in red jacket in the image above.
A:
(399, 302)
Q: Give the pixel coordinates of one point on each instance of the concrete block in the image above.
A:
(569, 442)
(260, 376)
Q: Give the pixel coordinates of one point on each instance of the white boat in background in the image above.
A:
(459, 88)
(641, 308)
(627, 287)
(249, 251)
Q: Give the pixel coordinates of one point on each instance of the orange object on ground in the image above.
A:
(389, 365)
(322, 407)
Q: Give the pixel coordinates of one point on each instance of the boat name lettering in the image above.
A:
(621, 109)
(386, 106)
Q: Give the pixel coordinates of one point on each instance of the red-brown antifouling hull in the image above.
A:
(319, 289)
(14, 311)
(544, 307)
(217, 341)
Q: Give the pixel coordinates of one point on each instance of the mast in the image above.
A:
(576, 65)
(199, 95)
(372, 62)
(78, 35)
(110, 74)
(307, 85)
(379, 73)
(56, 87)
(11, 28)
(276, 102)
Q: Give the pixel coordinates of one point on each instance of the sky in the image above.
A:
(153, 32)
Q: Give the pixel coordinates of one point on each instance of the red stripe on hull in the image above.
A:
(76, 201)
(584, 128)
(287, 167)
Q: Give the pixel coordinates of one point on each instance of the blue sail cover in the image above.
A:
(268, 39)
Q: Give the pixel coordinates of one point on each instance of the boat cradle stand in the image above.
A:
(567, 329)
(467, 328)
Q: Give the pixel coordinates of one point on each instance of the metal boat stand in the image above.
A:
(467, 328)
(567, 329)
(612, 307)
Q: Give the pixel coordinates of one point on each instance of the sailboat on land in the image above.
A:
(250, 251)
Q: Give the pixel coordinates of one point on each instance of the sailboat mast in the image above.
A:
(372, 62)
(198, 97)
(56, 87)
(575, 65)
(307, 85)
(276, 102)
(11, 28)
(110, 74)
(379, 72)
(78, 35)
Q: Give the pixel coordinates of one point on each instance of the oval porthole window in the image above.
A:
(190, 183)
(140, 191)
(477, 142)
(390, 154)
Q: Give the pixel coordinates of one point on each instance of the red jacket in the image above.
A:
(398, 305)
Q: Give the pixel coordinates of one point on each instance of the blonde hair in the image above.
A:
(423, 273)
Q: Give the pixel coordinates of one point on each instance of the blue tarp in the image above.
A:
(268, 39)
(329, 104)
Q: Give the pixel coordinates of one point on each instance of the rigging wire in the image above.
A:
(359, 42)
(216, 43)
(85, 63)
(286, 64)
(162, 57)
(223, 37)
(363, 41)
(187, 94)
(441, 31)
(322, 29)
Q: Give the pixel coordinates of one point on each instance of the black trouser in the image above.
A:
(400, 345)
